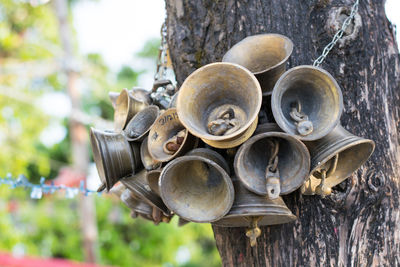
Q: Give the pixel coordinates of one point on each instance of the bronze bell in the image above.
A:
(126, 107)
(220, 103)
(334, 158)
(272, 164)
(307, 102)
(141, 123)
(265, 55)
(136, 205)
(140, 188)
(168, 138)
(114, 156)
(251, 210)
(148, 162)
(152, 179)
(196, 188)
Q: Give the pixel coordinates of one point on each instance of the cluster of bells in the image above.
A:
(236, 136)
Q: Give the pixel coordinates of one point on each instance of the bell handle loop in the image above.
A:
(273, 161)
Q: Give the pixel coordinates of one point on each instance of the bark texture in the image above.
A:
(359, 224)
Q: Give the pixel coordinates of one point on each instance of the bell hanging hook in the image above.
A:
(303, 125)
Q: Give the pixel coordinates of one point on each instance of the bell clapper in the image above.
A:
(224, 124)
(254, 232)
(174, 143)
(272, 173)
(303, 125)
(322, 189)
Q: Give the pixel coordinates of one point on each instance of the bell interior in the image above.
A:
(257, 157)
(208, 90)
(196, 191)
(259, 53)
(317, 95)
(121, 111)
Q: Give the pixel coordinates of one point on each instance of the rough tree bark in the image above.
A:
(359, 224)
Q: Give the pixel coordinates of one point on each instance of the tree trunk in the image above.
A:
(359, 224)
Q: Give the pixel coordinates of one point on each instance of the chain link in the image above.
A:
(162, 55)
(338, 35)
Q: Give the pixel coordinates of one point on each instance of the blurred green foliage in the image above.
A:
(50, 227)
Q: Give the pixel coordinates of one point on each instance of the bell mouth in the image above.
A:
(147, 160)
(213, 86)
(98, 156)
(196, 189)
(141, 123)
(239, 220)
(352, 153)
(315, 92)
(252, 158)
(121, 110)
(260, 53)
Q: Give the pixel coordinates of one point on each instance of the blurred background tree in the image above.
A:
(34, 140)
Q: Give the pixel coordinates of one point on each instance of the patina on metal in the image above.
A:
(307, 102)
(265, 55)
(114, 156)
(251, 210)
(152, 179)
(137, 206)
(334, 158)
(126, 107)
(140, 188)
(196, 187)
(148, 161)
(140, 124)
(219, 103)
(163, 136)
(253, 158)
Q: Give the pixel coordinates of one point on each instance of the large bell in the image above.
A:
(141, 123)
(307, 102)
(126, 107)
(140, 188)
(149, 163)
(251, 210)
(114, 156)
(337, 156)
(265, 55)
(220, 103)
(256, 154)
(168, 138)
(196, 187)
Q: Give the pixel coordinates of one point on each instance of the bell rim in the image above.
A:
(235, 141)
(225, 176)
(283, 61)
(228, 220)
(155, 190)
(221, 160)
(143, 135)
(208, 136)
(279, 118)
(143, 151)
(306, 163)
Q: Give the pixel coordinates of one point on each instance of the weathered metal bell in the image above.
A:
(265, 55)
(118, 189)
(168, 138)
(114, 156)
(196, 187)
(336, 156)
(126, 107)
(219, 103)
(152, 179)
(289, 156)
(140, 188)
(138, 93)
(148, 162)
(307, 102)
(141, 123)
(113, 97)
(136, 205)
(251, 210)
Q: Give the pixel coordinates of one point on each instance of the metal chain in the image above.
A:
(162, 54)
(338, 35)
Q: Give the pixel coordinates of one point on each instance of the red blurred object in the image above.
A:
(7, 260)
(69, 177)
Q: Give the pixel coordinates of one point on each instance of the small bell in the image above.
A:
(141, 123)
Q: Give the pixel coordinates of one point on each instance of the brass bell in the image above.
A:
(148, 162)
(220, 103)
(152, 179)
(136, 205)
(114, 156)
(307, 102)
(168, 138)
(334, 158)
(251, 210)
(141, 95)
(196, 188)
(126, 107)
(265, 55)
(141, 123)
(140, 188)
(272, 164)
